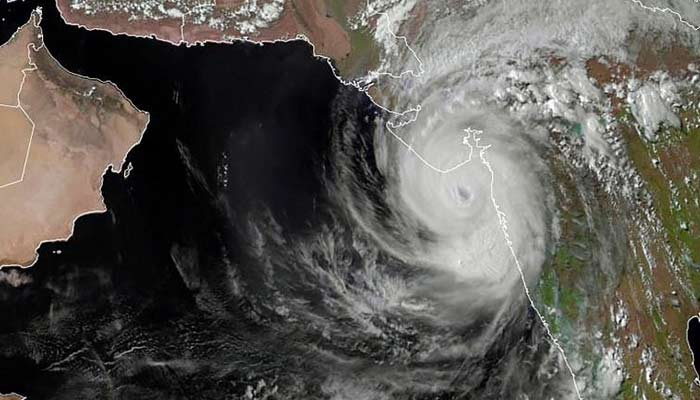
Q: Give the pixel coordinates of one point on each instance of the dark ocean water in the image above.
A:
(139, 303)
(12, 16)
(227, 258)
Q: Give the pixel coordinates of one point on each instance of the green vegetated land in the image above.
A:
(670, 168)
(574, 295)
(365, 53)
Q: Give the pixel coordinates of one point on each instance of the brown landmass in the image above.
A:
(310, 18)
(16, 133)
(662, 330)
(11, 67)
(651, 56)
(82, 126)
(11, 396)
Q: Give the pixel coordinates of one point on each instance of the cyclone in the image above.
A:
(452, 181)
(445, 190)
(467, 199)
(469, 217)
(442, 208)
(453, 209)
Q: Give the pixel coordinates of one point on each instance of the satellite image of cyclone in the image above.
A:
(361, 200)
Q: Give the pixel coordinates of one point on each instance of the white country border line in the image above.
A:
(413, 111)
(667, 10)
(182, 29)
(503, 222)
(502, 217)
(108, 166)
(18, 105)
(363, 86)
(681, 19)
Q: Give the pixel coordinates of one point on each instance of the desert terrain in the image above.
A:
(81, 127)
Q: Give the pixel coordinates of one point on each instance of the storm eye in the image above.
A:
(462, 196)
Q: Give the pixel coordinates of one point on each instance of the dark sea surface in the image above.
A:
(12, 16)
(229, 264)
(141, 301)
